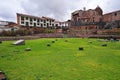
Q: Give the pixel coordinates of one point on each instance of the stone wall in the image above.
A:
(89, 29)
(113, 16)
(50, 35)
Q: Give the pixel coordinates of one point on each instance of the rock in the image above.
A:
(81, 48)
(19, 42)
(104, 44)
(53, 41)
(28, 49)
(48, 45)
(2, 76)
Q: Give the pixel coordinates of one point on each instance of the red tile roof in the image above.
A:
(47, 18)
(112, 12)
(29, 16)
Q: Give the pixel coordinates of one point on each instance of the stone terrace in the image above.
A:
(50, 35)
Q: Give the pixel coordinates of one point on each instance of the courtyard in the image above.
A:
(62, 60)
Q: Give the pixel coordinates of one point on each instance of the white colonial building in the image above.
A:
(34, 21)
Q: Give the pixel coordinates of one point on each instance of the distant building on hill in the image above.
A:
(92, 20)
(82, 17)
(112, 16)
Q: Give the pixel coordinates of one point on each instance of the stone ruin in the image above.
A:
(81, 48)
(104, 45)
(48, 45)
(53, 41)
(28, 49)
(19, 42)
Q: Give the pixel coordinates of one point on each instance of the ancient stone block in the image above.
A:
(28, 49)
(48, 45)
(19, 42)
(81, 48)
(104, 45)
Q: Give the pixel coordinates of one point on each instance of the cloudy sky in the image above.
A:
(58, 9)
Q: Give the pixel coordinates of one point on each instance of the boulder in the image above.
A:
(53, 41)
(81, 48)
(104, 45)
(28, 49)
(48, 45)
(19, 42)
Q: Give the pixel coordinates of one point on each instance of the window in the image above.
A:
(115, 14)
(44, 24)
(50, 23)
(47, 24)
(38, 20)
(26, 18)
(22, 22)
(44, 21)
(93, 19)
(52, 20)
(34, 24)
(56, 25)
(41, 25)
(31, 19)
(22, 18)
(30, 23)
(34, 19)
(38, 23)
(27, 24)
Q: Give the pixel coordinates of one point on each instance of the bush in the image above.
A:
(38, 30)
(50, 30)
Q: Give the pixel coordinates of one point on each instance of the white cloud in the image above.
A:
(9, 8)
(58, 9)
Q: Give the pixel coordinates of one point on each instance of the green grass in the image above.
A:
(61, 61)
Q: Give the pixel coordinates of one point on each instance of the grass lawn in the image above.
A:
(62, 60)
